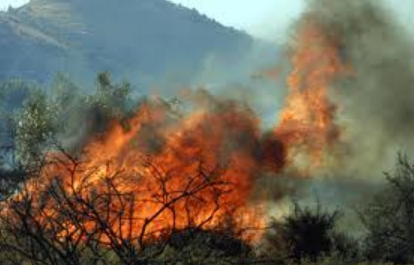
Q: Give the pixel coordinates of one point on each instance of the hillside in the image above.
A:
(135, 39)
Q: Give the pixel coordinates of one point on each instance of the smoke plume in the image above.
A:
(375, 104)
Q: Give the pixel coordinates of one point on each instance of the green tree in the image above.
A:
(35, 126)
(12, 95)
(49, 118)
(114, 99)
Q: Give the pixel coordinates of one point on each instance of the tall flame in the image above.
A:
(307, 122)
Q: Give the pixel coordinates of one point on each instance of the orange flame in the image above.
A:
(307, 122)
(176, 172)
(163, 164)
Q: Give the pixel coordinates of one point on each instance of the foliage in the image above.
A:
(12, 95)
(309, 234)
(35, 124)
(389, 217)
(34, 120)
(47, 118)
(109, 96)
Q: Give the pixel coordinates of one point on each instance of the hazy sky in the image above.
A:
(262, 18)
(258, 17)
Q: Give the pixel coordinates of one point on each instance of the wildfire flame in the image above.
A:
(307, 122)
(162, 165)
(176, 172)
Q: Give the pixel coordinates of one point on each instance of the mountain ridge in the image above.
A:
(135, 39)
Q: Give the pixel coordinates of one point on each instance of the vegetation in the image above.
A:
(389, 218)
(78, 232)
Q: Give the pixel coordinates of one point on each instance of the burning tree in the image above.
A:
(138, 183)
(82, 215)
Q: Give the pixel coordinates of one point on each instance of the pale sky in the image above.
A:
(262, 18)
(4, 4)
(267, 19)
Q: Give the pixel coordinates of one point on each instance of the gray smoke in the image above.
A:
(376, 103)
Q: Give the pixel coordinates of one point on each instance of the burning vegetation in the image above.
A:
(112, 179)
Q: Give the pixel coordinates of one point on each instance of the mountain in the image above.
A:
(139, 40)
